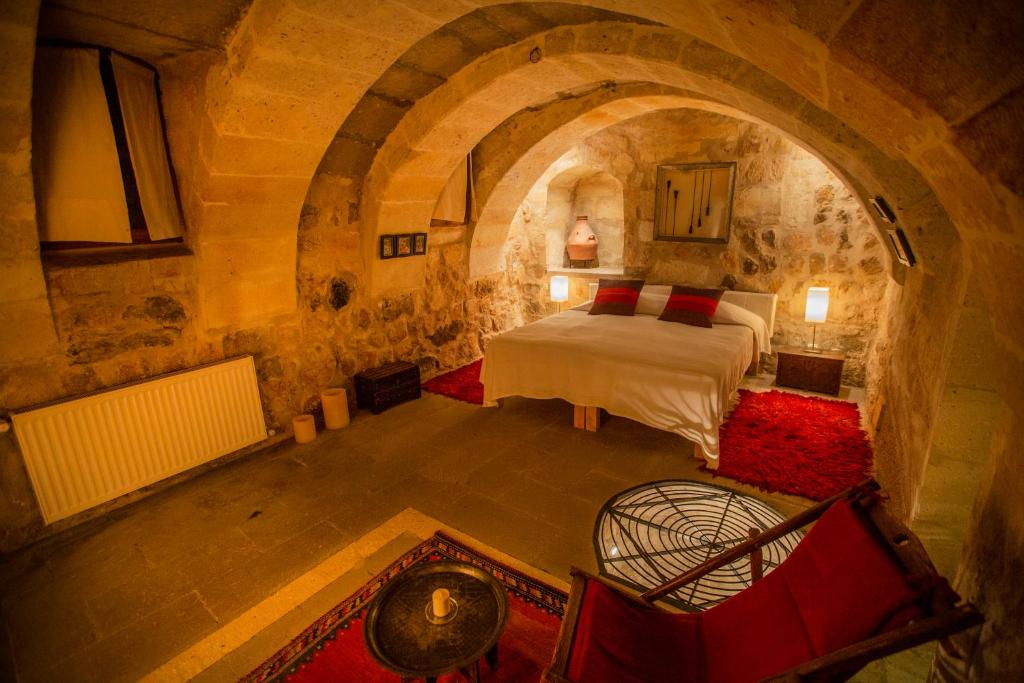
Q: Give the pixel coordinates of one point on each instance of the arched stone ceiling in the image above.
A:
(413, 164)
(518, 153)
(295, 70)
(431, 61)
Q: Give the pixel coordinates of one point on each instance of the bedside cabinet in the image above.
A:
(801, 369)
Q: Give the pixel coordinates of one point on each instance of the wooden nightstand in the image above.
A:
(801, 369)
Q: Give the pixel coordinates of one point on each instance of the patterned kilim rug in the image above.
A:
(787, 443)
(332, 647)
(462, 384)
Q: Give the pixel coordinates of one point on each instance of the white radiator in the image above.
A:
(89, 450)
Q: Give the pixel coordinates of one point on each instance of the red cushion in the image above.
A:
(755, 633)
(691, 306)
(847, 585)
(619, 641)
(616, 297)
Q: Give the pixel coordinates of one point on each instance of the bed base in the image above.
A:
(586, 417)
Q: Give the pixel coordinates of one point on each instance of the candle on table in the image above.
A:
(441, 604)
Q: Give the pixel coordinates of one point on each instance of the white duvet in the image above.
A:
(670, 376)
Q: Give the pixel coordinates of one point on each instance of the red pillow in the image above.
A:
(691, 306)
(616, 297)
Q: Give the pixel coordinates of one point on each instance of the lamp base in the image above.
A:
(814, 348)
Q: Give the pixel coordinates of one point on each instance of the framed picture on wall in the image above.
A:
(419, 243)
(693, 202)
(387, 246)
(403, 245)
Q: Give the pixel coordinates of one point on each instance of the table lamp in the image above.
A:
(559, 289)
(815, 312)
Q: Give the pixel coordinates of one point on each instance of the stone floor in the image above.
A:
(118, 598)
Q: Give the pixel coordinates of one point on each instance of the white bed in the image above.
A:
(666, 375)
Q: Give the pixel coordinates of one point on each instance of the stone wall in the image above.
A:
(794, 225)
(441, 326)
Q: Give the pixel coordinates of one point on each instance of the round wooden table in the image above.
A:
(404, 636)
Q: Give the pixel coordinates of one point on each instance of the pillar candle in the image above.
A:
(335, 404)
(441, 604)
(304, 428)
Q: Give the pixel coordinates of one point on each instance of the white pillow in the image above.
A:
(731, 314)
(653, 299)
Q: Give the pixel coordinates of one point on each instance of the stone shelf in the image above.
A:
(585, 271)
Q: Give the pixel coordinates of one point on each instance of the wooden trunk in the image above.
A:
(802, 369)
(378, 389)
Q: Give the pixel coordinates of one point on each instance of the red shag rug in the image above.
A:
(801, 445)
(462, 384)
(332, 648)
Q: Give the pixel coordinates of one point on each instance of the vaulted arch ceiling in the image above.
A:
(412, 165)
(295, 70)
(514, 156)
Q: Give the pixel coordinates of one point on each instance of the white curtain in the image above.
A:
(136, 91)
(451, 205)
(81, 194)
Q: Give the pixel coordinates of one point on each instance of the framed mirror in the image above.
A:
(693, 202)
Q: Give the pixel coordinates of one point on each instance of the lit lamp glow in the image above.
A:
(559, 289)
(816, 312)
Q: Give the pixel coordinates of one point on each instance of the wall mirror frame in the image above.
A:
(693, 202)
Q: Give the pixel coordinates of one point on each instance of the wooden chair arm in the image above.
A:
(737, 551)
(851, 659)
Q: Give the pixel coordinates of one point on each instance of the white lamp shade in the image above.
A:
(817, 305)
(559, 288)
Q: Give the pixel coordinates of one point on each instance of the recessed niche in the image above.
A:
(584, 192)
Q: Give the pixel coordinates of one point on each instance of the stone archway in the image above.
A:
(516, 154)
(851, 72)
(415, 161)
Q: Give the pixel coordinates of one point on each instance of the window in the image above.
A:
(457, 203)
(100, 161)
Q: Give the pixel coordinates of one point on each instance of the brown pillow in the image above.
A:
(616, 297)
(691, 306)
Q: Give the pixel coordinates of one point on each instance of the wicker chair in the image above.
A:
(858, 587)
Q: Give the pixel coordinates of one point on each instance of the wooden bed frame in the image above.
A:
(589, 417)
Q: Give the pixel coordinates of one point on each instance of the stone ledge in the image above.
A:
(101, 256)
(584, 272)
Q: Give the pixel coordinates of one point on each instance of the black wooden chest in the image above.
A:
(380, 388)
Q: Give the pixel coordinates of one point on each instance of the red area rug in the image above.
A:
(787, 443)
(462, 384)
(332, 648)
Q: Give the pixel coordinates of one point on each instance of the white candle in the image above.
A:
(304, 428)
(335, 404)
(441, 604)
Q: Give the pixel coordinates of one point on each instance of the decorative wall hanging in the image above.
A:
(399, 246)
(387, 246)
(693, 202)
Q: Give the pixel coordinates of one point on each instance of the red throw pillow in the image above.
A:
(616, 297)
(691, 306)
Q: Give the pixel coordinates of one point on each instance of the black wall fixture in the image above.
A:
(901, 247)
(883, 209)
